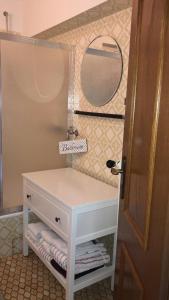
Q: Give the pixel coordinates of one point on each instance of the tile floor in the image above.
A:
(24, 278)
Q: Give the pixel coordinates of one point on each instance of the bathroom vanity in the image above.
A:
(78, 208)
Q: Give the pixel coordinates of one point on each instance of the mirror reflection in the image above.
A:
(101, 70)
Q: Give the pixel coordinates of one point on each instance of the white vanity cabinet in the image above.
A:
(78, 208)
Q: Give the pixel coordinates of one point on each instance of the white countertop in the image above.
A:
(72, 187)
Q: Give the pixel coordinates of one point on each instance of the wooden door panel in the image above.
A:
(160, 212)
(142, 129)
(130, 287)
(143, 222)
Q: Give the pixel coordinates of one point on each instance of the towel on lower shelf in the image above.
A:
(37, 228)
(89, 255)
(44, 250)
(93, 262)
(81, 265)
(89, 248)
(82, 251)
(63, 272)
(32, 238)
(53, 239)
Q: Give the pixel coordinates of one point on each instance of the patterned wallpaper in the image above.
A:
(106, 8)
(104, 136)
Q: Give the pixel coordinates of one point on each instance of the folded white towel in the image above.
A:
(53, 239)
(32, 238)
(46, 246)
(80, 265)
(88, 255)
(88, 248)
(85, 266)
(45, 252)
(37, 228)
(42, 247)
(99, 257)
(59, 257)
(93, 254)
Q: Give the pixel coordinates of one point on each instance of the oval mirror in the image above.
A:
(101, 70)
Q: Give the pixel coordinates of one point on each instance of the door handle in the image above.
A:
(116, 171)
(111, 164)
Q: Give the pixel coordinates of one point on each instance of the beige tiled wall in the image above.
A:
(104, 136)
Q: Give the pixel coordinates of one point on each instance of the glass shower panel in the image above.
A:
(34, 93)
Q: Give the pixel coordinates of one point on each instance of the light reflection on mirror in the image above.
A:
(101, 70)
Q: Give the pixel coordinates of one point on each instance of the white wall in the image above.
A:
(15, 10)
(40, 15)
(30, 17)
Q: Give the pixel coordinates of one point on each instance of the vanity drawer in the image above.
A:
(47, 210)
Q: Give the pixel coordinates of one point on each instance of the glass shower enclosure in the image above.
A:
(34, 85)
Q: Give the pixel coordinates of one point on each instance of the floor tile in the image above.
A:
(24, 278)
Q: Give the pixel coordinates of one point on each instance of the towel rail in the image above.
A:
(102, 115)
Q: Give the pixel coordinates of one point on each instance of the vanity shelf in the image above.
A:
(101, 115)
(86, 209)
(57, 275)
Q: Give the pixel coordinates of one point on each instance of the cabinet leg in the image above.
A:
(71, 259)
(25, 248)
(69, 294)
(112, 283)
(114, 261)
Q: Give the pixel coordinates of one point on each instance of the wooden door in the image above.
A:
(143, 243)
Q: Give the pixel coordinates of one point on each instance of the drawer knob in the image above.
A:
(28, 196)
(57, 219)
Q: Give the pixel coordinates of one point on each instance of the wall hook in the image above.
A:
(72, 131)
(6, 15)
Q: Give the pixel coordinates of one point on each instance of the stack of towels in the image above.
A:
(90, 256)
